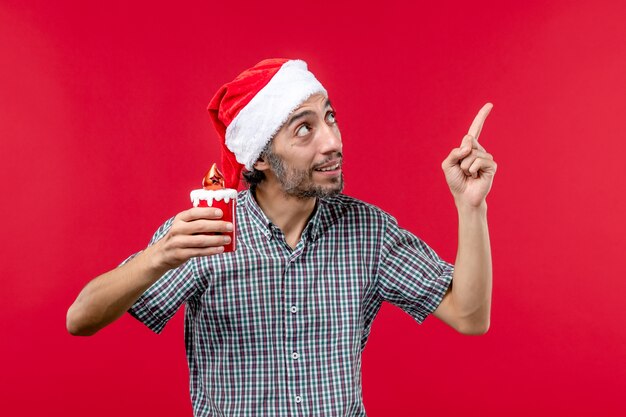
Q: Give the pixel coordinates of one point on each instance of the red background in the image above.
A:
(104, 131)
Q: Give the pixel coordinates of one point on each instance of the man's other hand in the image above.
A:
(469, 169)
(194, 232)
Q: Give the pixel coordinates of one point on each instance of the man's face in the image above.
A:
(306, 153)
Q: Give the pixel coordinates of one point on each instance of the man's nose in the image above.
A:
(331, 139)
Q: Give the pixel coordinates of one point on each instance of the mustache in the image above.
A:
(337, 155)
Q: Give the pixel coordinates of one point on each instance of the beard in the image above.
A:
(299, 183)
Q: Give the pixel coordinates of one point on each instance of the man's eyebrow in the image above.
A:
(299, 116)
(305, 113)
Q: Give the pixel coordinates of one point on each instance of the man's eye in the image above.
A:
(330, 117)
(303, 130)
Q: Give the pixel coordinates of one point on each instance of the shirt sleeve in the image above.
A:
(410, 274)
(158, 304)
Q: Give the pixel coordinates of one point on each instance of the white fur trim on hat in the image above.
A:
(269, 109)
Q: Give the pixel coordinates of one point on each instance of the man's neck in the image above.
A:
(289, 214)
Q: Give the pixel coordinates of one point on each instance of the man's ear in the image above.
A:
(261, 164)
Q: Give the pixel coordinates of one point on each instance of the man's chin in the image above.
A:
(330, 190)
(317, 191)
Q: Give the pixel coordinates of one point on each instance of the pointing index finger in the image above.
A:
(479, 120)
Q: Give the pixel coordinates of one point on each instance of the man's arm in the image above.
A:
(467, 304)
(469, 172)
(109, 296)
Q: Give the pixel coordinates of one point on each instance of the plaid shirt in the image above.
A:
(275, 331)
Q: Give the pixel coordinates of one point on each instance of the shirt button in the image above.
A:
(298, 399)
(294, 309)
(295, 355)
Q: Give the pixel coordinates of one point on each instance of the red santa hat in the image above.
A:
(249, 110)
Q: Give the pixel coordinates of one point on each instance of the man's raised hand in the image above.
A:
(469, 169)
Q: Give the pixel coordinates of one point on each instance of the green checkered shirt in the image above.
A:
(275, 331)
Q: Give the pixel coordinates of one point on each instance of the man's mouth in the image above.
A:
(331, 166)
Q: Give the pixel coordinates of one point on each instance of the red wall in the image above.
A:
(104, 131)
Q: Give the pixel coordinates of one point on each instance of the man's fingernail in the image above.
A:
(218, 212)
(229, 227)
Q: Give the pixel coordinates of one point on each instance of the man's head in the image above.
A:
(305, 156)
(256, 114)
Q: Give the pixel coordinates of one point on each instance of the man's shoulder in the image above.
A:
(343, 204)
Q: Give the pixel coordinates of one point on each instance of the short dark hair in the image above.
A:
(255, 177)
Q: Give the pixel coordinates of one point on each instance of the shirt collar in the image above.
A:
(257, 217)
(311, 231)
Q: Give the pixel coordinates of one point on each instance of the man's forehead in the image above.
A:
(318, 101)
(314, 101)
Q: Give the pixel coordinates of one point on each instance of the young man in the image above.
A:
(277, 327)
